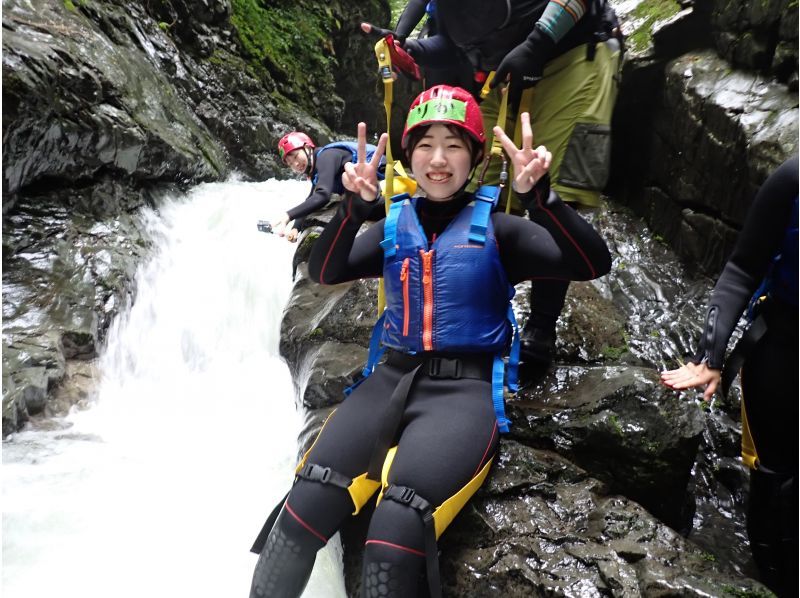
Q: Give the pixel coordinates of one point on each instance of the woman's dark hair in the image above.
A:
(414, 137)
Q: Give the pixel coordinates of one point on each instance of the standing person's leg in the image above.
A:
(571, 115)
(441, 459)
(770, 409)
(318, 503)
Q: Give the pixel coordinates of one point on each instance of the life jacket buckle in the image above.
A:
(439, 367)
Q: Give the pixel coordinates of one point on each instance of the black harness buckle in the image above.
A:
(406, 496)
(439, 367)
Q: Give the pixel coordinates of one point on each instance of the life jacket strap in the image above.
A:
(408, 497)
(485, 200)
(512, 373)
(389, 243)
(498, 374)
(376, 351)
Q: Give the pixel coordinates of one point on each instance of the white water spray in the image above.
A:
(161, 486)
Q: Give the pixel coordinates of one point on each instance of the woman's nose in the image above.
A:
(438, 156)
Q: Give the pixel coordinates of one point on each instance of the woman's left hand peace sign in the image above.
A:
(361, 178)
(529, 164)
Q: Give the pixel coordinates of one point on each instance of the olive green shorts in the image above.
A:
(571, 115)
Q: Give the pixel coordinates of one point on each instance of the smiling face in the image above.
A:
(441, 162)
(297, 160)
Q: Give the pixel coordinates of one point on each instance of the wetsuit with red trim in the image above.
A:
(448, 433)
(769, 375)
(328, 169)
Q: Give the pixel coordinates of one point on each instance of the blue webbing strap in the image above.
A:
(375, 352)
(513, 358)
(389, 243)
(486, 197)
(498, 371)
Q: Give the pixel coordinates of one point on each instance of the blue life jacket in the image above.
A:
(781, 281)
(338, 188)
(785, 268)
(451, 296)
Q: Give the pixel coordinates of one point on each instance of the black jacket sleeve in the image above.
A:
(412, 14)
(759, 241)
(338, 255)
(558, 244)
(329, 167)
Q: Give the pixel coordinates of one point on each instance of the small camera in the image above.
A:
(264, 226)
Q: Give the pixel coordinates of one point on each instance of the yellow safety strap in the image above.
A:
(444, 514)
(495, 147)
(524, 106)
(385, 70)
(749, 453)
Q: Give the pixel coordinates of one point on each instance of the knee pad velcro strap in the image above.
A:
(408, 497)
(324, 475)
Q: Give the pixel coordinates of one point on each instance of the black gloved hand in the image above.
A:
(378, 32)
(525, 63)
(414, 48)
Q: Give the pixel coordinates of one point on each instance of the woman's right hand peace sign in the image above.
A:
(529, 164)
(361, 178)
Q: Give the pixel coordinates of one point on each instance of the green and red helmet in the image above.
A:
(446, 105)
(292, 141)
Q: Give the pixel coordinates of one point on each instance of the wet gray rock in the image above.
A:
(698, 96)
(622, 426)
(106, 107)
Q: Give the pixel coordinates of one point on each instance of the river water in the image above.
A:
(160, 486)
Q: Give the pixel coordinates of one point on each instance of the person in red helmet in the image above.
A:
(421, 429)
(323, 167)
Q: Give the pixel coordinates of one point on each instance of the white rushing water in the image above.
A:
(160, 487)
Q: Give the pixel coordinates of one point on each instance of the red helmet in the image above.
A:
(446, 105)
(292, 141)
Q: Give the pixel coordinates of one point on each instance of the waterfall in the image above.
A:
(161, 485)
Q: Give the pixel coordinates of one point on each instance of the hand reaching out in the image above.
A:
(361, 178)
(279, 225)
(529, 164)
(692, 375)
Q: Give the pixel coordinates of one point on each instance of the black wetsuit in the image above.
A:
(328, 168)
(769, 378)
(448, 433)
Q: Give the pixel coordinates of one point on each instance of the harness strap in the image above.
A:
(443, 367)
(408, 497)
(261, 539)
(391, 421)
(324, 475)
(750, 338)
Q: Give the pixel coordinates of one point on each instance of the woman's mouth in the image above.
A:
(439, 177)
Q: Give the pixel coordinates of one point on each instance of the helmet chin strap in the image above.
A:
(309, 160)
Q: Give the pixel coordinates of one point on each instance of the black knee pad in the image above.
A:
(389, 568)
(286, 560)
